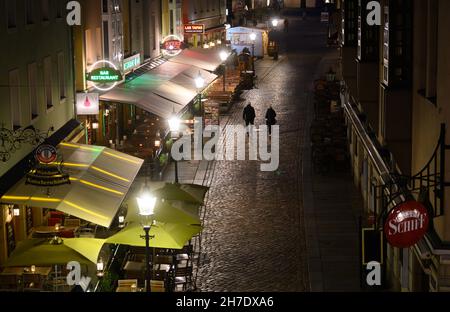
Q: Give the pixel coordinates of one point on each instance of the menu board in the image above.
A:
(10, 238)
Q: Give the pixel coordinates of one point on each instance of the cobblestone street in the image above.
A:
(254, 237)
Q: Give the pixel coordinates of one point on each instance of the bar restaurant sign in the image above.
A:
(104, 75)
(194, 29)
(406, 224)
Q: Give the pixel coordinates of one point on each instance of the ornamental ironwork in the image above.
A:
(11, 141)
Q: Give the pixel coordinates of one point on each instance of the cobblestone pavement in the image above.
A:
(253, 238)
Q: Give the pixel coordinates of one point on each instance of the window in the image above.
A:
(48, 82)
(154, 31)
(171, 22)
(350, 23)
(106, 39)
(14, 99)
(32, 90)
(61, 77)
(30, 11)
(44, 10)
(11, 7)
(105, 6)
(60, 8)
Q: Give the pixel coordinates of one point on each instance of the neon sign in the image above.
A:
(106, 77)
(172, 45)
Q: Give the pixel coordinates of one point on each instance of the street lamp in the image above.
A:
(146, 204)
(275, 22)
(200, 84)
(174, 125)
(223, 57)
(253, 38)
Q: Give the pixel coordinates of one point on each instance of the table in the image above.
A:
(51, 229)
(45, 271)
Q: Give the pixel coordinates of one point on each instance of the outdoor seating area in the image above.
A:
(328, 131)
(172, 269)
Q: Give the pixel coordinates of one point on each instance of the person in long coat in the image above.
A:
(271, 118)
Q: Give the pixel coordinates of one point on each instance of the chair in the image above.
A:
(67, 234)
(54, 221)
(183, 276)
(9, 282)
(157, 286)
(33, 282)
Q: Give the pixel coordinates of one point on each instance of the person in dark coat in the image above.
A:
(270, 118)
(249, 115)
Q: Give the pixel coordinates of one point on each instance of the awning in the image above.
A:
(207, 59)
(100, 179)
(160, 91)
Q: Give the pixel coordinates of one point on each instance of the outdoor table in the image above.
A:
(45, 271)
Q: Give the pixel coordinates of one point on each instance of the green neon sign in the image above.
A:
(105, 75)
(131, 62)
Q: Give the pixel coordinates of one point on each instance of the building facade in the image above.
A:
(211, 14)
(397, 108)
(37, 89)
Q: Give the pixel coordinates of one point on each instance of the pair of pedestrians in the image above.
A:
(249, 116)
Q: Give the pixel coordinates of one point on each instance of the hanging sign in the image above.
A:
(406, 224)
(171, 46)
(131, 63)
(87, 104)
(194, 29)
(104, 75)
(46, 154)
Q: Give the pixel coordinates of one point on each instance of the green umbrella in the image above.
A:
(168, 212)
(40, 252)
(166, 235)
(190, 193)
(88, 247)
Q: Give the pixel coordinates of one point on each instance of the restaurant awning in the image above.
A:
(162, 90)
(207, 59)
(100, 179)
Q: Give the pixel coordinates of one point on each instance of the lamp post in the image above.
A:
(146, 203)
(223, 57)
(253, 38)
(200, 84)
(174, 125)
(275, 22)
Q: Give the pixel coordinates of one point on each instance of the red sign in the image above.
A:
(172, 45)
(406, 224)
(194, 29)
(46, 154)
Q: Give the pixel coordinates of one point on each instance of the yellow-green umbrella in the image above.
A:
(190, 193)
(166, 235)
(168, 212)
(40, 252)
(88, 247)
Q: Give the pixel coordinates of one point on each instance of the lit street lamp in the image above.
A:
(146, 203)
(275, 22)
(253, 38)
(200, 84)
(174, 125)
(223, 57)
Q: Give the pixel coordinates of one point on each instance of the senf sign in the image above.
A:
(406, 224)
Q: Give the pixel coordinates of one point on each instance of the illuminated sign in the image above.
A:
(194, 29)
(171, 45)
(406, 224)
(131, 63)
(104, 77)
(87, 104)
(105, 74)
(46, 153)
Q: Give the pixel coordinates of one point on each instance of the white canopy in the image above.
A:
(100, 179)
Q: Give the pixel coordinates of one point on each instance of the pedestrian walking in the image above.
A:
(286, 25)
(249, 115)
(271, 118)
